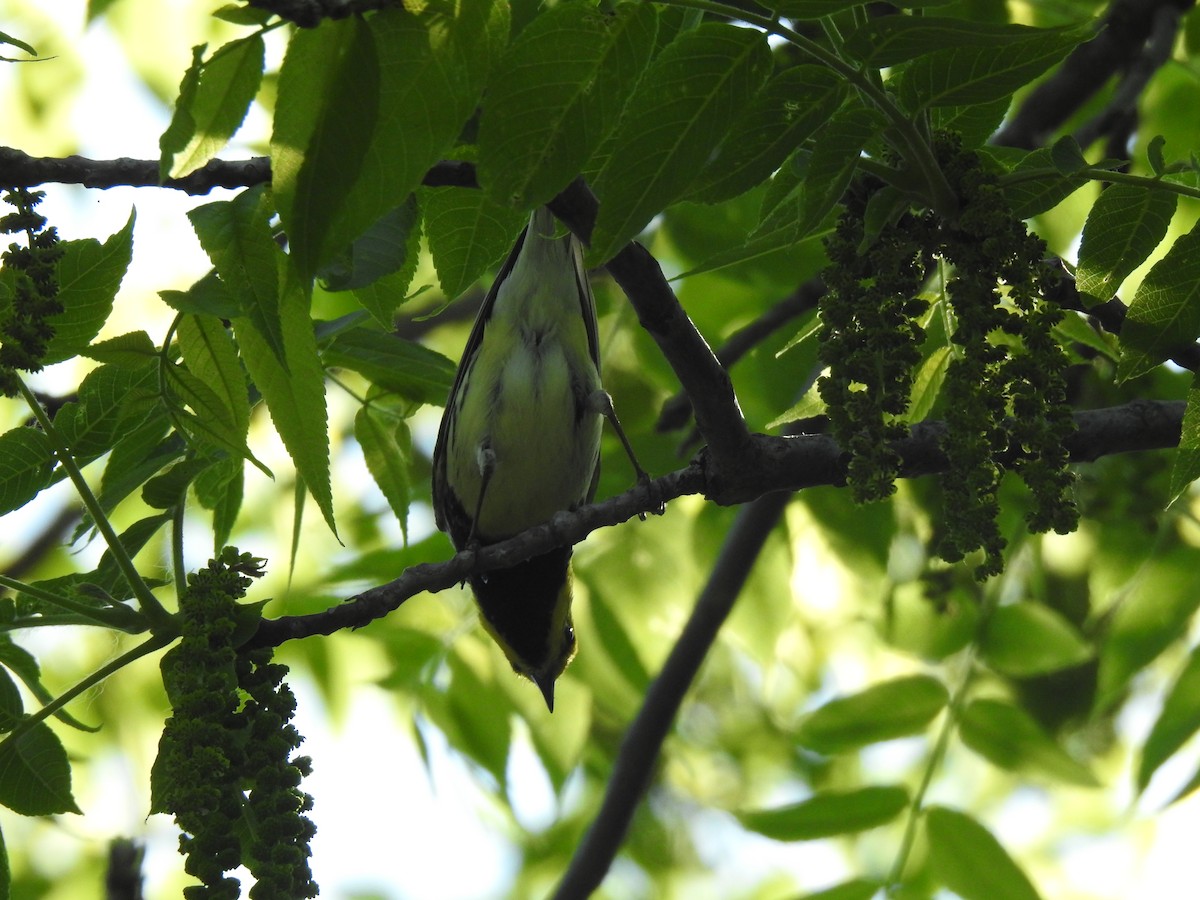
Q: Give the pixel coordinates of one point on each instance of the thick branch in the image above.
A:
(676, 411)
(19, 169)
(1119, 41)
(644, 739)
(769, 464)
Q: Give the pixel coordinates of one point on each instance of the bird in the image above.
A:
(520, 441)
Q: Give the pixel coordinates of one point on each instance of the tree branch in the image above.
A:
(704, 379)
(769, 464)
(643, 741)
(677, 410)
(19, 169)
(1119, 41)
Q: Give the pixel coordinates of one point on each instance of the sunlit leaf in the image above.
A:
(1165, 312)
(1125, 225)
(968, 860)
(828, 813)
(1009, 738)
(1178, 720)
(35, 775)
(1027, 639)
(882, 712)
(89, 275)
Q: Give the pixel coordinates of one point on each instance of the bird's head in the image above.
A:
(527, 610)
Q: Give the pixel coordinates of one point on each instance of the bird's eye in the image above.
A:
(568, 636)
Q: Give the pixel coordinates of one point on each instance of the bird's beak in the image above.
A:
(546, 684)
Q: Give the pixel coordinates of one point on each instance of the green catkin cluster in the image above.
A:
(26, 331)
(871, 342)
(1005, 389)
(1004, 394)
(279, 832)
(224, 766)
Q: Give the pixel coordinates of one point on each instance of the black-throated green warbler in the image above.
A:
(520, 441)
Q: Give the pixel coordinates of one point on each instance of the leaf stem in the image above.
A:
(1097, 173)
(150, 645)
(153, 610)
(957, 700)
(116, 615)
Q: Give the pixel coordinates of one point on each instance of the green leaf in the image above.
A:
(214, 107)
(1165, 312)
(1154, 155)
(617, 645)
(169, 489)
(833, 162)
(789, 108)
(130, 350)
(1027, 639)
(1187, 456)
(974, 123)
(1125, 225)
(857, 889)
(556, 95)
(1067, 157)
(1008, 737)
(140, 452)
(94, 423)
(1075, 328)
(210, 355)
(220, 488)
(677, 116)
(386, 444)
(882, 712)
(963, 74)
(891, 40)
(390, 245)
(11, 706)
(383, 296)
(26, 466)
(35, 775)
(1178, 720)
(207, 297)
(236, 237)
(89, 275)
(927, 384)
(1154, 612)
(22, 663)
(211, 420)
(182, 126)
(295, 392)
(828, 813)
(968, 860)
(475, 718)
(325, 120)
(467, 232)
(815, 9)
(405, 82)
(6, 38)
(1035, 185)
(407, 368)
